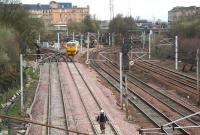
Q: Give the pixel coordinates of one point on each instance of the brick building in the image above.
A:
(178, 12)
(57, 13)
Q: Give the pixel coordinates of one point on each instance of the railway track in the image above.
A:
(171, 103)
(56, 114)
(171, 77)
(89, 101)
(180, 76)
(157, 117)
(177, 80)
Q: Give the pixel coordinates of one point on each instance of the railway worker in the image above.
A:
(102, 119)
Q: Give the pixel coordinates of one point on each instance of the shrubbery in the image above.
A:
(187, 27)
(188, 31)
(87, 25)
(18, 32)
(121, 25)
(9, 58)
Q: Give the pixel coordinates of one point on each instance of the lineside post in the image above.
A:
(126, 94)
(120, 69)
(58, 41)
(21, 80)
(176, 52)
(81, 43)
(39, 38)
(143, 39)
(113, 39)
(98, 40)
(98, 36)
(109, 40)
(150, 33)
(88, 43)
(198, 77)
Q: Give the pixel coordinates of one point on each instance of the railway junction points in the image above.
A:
(70, 95)
(75, 71)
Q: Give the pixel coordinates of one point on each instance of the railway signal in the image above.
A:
(125, 58)
(124, 68)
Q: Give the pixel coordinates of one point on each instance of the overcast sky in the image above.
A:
(146, 9)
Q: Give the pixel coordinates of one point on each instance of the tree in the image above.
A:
(87, 25)
(17, 32)
(187, 27)
(12, 14)
(122, 24)
(77, 27)
(9, 58)
(91, 25)
(188, 31)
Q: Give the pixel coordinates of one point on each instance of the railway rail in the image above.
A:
(175, 79)
(180, 76)
(56, 109)
(89, 101)
(157, 117)
(171, 103)
(171, 77)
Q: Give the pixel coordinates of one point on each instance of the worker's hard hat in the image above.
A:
(102, 111)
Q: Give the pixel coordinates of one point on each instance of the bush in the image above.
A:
(188, 27)
(163, 52)
(188, 31)
(88, 25)
(9, 58)
(187, 49)
(18, 31)
(12, 14)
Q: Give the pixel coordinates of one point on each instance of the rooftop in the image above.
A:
(178, 8)
(46, 7)
(36, 6)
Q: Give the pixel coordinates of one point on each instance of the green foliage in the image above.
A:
(18, 31)
(188, 27)
(122, 24)
(163, 52)
(7, 95)
(188, 31)
(88, 25)
(187, 49)
(14, 109)
(9, 47)
(12, 14)
(32, 73)
(9, 57)
(77, 27)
